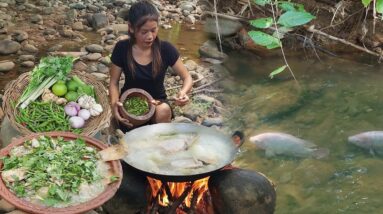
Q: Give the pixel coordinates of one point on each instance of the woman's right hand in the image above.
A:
(117, 115)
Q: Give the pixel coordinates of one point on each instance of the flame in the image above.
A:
(176, 189)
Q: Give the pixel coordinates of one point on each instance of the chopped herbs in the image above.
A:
(55, 169)
(136, 106)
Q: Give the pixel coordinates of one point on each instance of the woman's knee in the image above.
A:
(163, 113)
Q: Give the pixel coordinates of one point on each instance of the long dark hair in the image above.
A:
(139, 14)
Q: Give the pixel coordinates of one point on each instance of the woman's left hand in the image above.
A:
(181, 99)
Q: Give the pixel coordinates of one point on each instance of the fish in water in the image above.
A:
(372, 141)
(276, 143)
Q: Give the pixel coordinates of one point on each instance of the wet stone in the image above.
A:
(30, 48)
(78, 26)
(6, 65)
(23, 58)
(181, 119)
(37, 19)
(9, 47)
(55, 48)
(99, 20)
(94, 48)
(28, 64)
(93, 56)
(102, 68)
(216, 121)
(20, 36)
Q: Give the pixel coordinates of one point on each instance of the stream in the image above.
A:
(333, 99)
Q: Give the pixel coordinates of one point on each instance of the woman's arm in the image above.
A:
(114, 93)
(181, 70)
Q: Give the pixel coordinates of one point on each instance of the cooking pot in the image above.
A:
(141, 136)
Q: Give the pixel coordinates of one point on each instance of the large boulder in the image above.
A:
(9, 47)
(227, 27)
(99, 20)
(209, 49)
(242, 191)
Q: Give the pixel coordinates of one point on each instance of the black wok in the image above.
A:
(205, 133)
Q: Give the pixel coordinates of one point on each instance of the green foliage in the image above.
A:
(379, 6)
(294, 15)
(366, 2)
(262, 22)
(264, 39)
(262, 2)
(295, 18)
(277, 71)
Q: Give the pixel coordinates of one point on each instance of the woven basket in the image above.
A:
(108, 193)
(92, 126)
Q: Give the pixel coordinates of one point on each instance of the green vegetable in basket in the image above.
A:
(44, 75)
(44, 117)
(83, 88)
(136, 106)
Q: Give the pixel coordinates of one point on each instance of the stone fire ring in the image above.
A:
(24, 205)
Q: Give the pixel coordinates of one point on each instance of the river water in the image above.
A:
(333, 98)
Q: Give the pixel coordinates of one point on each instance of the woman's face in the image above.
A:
(146, 34)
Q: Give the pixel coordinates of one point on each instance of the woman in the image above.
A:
(144, 59)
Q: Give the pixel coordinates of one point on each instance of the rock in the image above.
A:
(23, 58)
(48, 10)
(21, 1)
(6, 65)
(191, 65)
(99, 20)
(166, 26)
(78, 6)
(93, 8)
(102, 68)
(242, 191)
(181, 119)
(36, 19)
(193, 111)
(9, 47)
(81, 66)
(100, 76)
(3, 5)
(55, 48)
(78, 26)
(28, 64)
(94, 48)
(110, 37)
(50, 31)
(186, 5)
(30, 48)
(5, 206)
(190, 19)
(19, 35)
(212, 121)
(71, 16)
(91, 212)
(131, 196)
(105, 60)
(227, 27)
(93, 56)
(210, 50)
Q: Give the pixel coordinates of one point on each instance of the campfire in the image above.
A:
(179, 197)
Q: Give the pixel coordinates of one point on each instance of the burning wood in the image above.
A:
(179, 197)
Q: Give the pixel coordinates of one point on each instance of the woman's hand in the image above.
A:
(118, 116)
(181, 99)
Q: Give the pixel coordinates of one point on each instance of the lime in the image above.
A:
(59, 89)
(71, 96)
(72, 85)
